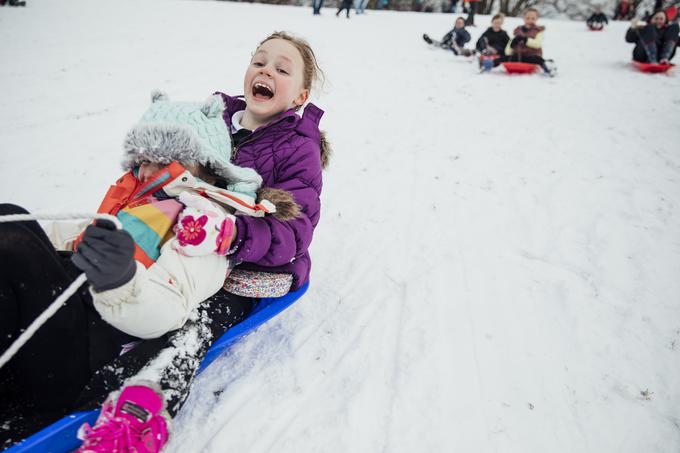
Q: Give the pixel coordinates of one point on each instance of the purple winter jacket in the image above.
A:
(287, 154)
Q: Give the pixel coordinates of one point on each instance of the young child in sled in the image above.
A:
(455, 40)
(526, 44)
(491, 44)
(654, 42)
(597, 20)
(149, 278)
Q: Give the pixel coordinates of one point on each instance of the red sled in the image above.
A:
(653, 68)
(595, 29)
(519, 67)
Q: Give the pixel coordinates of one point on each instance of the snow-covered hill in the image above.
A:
(496, 269)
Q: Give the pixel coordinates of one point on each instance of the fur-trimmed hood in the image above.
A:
(190, 133)
(286, 207)
(326, 151)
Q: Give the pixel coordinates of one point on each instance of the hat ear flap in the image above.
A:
(213, 107)
(158, 95)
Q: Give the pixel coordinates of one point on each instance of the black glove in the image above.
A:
(106, 255)
(517, 40)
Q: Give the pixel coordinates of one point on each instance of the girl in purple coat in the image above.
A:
(271, 256)
(285, 148)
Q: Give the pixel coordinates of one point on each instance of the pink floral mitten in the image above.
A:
(202, 227)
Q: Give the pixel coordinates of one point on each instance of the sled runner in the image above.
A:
(60, 437)
(519, 67)
(653, 68)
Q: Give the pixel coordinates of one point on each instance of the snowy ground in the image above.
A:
(496, 269)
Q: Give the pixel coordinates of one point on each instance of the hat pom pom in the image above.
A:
(213, 107)
(158, 95)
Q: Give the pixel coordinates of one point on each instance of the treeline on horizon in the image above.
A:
(574, 9)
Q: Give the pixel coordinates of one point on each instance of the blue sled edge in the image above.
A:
(60, 436)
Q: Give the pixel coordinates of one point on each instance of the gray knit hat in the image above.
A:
(187, 132)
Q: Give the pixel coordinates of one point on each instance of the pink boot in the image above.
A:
(134, 422)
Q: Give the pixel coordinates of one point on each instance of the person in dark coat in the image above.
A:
(494, 39)
(654, 42)
(345, 4)
(471, 14)
(454, 40)
(597, 20)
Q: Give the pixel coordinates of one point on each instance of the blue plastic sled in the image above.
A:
(60, 437)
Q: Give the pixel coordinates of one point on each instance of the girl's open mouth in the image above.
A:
(262, 92)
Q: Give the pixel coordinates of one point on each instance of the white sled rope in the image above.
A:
(68, 292)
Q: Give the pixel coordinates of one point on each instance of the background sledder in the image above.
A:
(526, 45)
(454, 40)
(597, 20)
(491, 44)
(655, 43)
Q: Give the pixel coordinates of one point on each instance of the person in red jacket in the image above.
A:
(624, 10)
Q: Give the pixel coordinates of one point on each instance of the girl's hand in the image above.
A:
(202, 227)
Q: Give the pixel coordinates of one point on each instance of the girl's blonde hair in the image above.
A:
(312, 72)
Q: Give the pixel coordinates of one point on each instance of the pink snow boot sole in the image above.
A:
(133, 422)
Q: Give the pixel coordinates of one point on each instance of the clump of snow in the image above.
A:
(176, 365)
(497, 259)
